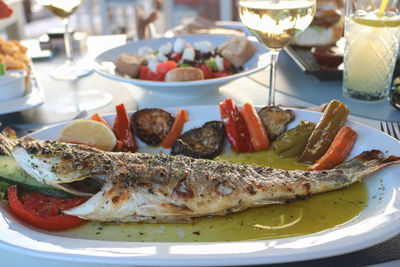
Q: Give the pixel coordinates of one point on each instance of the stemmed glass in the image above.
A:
(64, 9)
(274, 23)
(71, 71)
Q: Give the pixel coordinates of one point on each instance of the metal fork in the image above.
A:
(390, 129)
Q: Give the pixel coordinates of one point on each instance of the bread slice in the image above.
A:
(129, 64)
(237, 51)
(184, 74)
(319, 36)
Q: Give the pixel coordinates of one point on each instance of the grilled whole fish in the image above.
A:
(140, 187)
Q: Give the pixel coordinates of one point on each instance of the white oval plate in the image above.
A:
(104, 65)
(376, 223)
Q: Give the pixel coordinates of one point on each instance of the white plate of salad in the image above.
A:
(163, 49)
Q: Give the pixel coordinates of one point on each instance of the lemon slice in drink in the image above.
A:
(374, 21)
(92, 133)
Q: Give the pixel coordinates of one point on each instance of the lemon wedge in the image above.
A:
(92, 133)
(378, 22)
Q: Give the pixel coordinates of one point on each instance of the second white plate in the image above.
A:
(104, 65)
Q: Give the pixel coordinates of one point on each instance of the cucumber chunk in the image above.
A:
(12, 173)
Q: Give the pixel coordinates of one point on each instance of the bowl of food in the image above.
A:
(12, 84)
(327, 57)
(187, 65)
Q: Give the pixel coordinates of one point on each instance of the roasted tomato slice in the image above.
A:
(203, 142)
(43, 211)
(152, 125)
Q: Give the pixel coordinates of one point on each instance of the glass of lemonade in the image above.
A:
(372, 34)
(274, 23)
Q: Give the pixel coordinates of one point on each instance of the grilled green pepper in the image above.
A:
(334, 117)
(292, 142)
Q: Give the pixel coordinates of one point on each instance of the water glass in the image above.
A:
(372, 33)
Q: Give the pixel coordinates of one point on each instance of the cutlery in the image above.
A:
(388, 127)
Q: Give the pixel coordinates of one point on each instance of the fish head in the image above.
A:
(53, 163)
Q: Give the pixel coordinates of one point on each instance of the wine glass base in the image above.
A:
(70, 71)
(83, 100)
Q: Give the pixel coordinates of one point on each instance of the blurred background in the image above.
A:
(95, 17)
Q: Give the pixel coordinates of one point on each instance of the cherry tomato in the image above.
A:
(43, 211)
(146, 74)
(227, 64)
(208, 74)
(176, 57)
(164, 67)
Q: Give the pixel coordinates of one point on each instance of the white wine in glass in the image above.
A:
(77, 100)
(64, 9)
(274, 23)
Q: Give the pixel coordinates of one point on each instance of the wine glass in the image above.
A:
(64, 9)
(274, 23)
(78, 100)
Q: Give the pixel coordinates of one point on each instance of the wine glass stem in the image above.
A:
(67, 40)
(272, 77)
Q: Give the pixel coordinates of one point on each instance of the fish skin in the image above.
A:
(51, 162)
(141, 187)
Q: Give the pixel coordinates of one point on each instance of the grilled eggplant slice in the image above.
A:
(152, 125)
(275, 120)
(204, 142)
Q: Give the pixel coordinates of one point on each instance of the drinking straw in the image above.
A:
(382, 7)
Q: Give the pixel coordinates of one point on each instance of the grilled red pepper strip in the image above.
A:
(43, 211)
(235, 127)
(97, 117)
(123, 130)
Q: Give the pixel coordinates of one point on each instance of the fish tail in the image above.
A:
(8, 139)
(368, 162)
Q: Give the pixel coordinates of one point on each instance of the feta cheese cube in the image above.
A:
(188, 54)
(165, 49)
(203, 46)
(179, 45)
(152, 64)
(150, 57)
(161, 57)
(145, 50)
(220, 63)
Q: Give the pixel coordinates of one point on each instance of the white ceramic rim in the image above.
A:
(376, 223)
